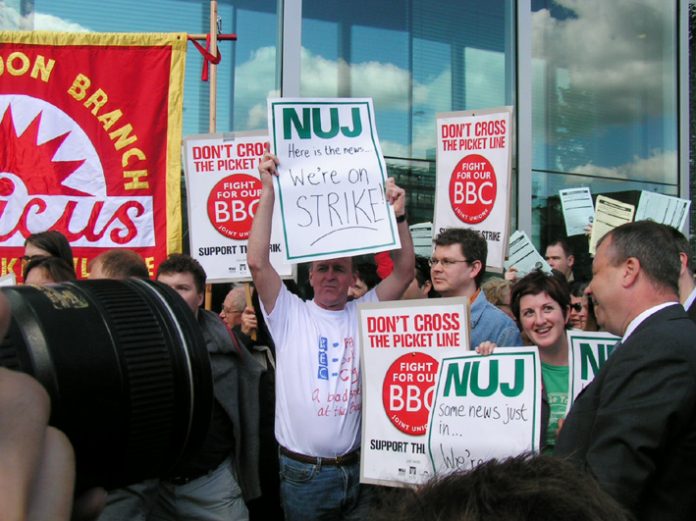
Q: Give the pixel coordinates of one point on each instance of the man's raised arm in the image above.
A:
(266, 278)
(393, 287)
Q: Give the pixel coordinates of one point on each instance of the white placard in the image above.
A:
(578, 210)
(473, 176)
(402, 343)
(485, 407)
(524, 256)
(609, 214)
(588, 351)
(8, 280)
(330, 188)
(663, 209)
(223, 189)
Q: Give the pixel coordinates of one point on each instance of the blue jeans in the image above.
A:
(322, 492)
(213, 497)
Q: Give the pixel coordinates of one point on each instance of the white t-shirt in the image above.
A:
(318, 388)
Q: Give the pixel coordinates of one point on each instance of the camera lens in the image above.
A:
(126, 367)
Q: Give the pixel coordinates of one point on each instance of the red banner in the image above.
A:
(90, 132)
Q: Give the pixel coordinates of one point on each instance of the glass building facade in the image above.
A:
(599, 89)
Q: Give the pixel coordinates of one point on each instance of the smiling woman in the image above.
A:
(540, 302)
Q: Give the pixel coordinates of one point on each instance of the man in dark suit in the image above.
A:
(687, 286)
(634, 427)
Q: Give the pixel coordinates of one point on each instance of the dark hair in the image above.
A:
(473, 246)
(577, 289)
(182, 263)
(52, 242)
(422, 270)
(653, 245)
(121, 264)
(537, 282)
(563, 244)
(520, 488)
(56, 267)
(367, 272)
(684, 247)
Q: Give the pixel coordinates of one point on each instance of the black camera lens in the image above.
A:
(126, 367)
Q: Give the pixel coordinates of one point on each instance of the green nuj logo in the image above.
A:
(468, 379)
(310, 123)
(588, 360)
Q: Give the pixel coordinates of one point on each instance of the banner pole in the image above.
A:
(212, 121)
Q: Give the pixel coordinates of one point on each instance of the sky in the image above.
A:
(608, 68)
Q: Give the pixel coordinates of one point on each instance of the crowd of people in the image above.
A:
(627, 448)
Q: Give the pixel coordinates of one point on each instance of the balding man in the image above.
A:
(233, 306)
(634, 427)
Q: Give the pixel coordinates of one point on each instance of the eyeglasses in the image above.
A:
(577, 307)
(446, 263)
(228, 311)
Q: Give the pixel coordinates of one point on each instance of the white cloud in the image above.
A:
(11, 19)
(48, 22)
(618, 53)
(659, 167)
(387, 84)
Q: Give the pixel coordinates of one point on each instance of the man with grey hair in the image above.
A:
(318, 359)
(634, 427)
(233, 306)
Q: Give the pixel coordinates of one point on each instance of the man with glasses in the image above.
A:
(457, 267)
(233, 307)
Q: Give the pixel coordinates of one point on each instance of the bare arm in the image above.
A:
(393, 287)
(266, 278)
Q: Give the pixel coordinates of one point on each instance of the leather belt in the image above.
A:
(339, 461)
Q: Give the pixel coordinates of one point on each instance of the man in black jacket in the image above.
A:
(634, 427)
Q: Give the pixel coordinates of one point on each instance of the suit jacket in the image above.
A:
(634, 427)
(236, 377)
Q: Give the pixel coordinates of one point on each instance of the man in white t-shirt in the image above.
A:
(318, 389)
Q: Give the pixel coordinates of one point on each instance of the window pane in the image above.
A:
(605, 102)
(415, 59)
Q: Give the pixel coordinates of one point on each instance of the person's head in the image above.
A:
(186, 276)
(560, 257)
(50, 243)
(686, 272)
(330, 280)
(519, 488)
(421, 286)
(233, 306)
(458, 263)
(118, 264)
(581, 308)
(366, 278)
(498, 293)
(47, 270)
(541, 303)
(636, 267)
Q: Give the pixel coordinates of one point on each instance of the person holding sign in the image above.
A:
(541, 304)
(457, 268)
(318, 388)
(634, 427)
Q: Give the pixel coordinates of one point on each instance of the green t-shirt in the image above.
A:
(556, 384)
